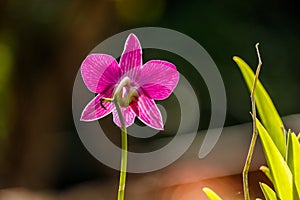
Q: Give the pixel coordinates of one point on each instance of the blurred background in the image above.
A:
(43, 42)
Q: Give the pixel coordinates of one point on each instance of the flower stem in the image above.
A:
(254, 134)
(123, 169)
(122, 181)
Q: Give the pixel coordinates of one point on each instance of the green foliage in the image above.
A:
(281, 175)
(268, 192)
(293, 160)
(267, 172)
(265, 107)
(211, 194)
(283, 157)
(284, 174)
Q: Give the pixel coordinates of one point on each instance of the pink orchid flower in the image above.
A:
(135, 85)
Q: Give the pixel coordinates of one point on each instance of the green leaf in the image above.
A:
(265, 107)
(211, 194)
(267, 172)
(280, 172)
(293, 160)
(268, 192)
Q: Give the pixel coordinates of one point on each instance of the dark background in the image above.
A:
(43, 42)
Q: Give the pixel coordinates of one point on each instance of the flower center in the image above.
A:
(125, 93)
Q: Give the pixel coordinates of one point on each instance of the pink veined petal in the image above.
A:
(100, 72)
(94, 110)
(128, 116)
(158, 79)
(147, 111)
(131, 58)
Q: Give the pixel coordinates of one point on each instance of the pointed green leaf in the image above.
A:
(282, 176)
(268, 192)
(293, 160)
(265, 107)
(267, 172)
(211, 194)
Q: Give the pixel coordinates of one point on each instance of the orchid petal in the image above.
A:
(147, 111)
(128, 116)
(100, 72)
(131, 58)
(94, 110)
(159, 78)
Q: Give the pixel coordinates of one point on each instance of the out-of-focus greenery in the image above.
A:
(6, 69)
(137, 12)
(6, 98)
